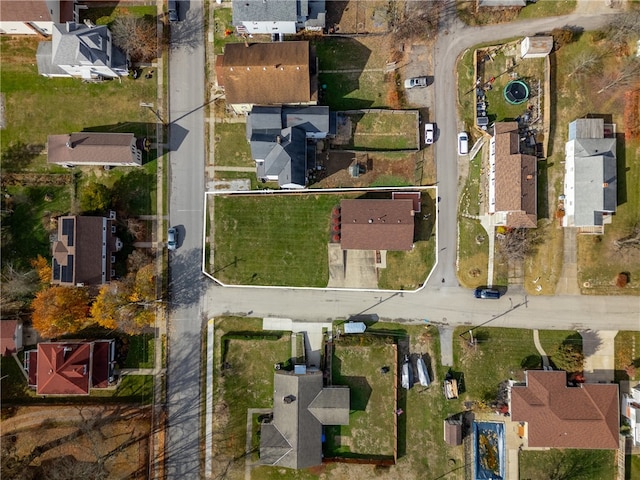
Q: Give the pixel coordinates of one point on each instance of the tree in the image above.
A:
(116, 306)
(518, 243)
(95, 197)
(136, 36)
(562, 37)
(585, 63)
(42, 267)
(18, 288)
(628, 73)
(58, 310)
(569, 357)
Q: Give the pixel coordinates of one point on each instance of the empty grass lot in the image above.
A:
(385, 130)
(232, 148)
(370, 429)
(555, 463)
(273, 240)
(353, 90)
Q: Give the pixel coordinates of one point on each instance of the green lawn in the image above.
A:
(273, 240)
(501, 354)
(36, 107)
(223, 21)
(132, 388)
(106, 15)
(371, 418)
(632, 470)
(141, 353)
(473, 258)
(353, 91)
(232, 147)
(14, 388)
(385, 130)
(568, 464)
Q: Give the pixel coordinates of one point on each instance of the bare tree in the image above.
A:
(137, 37)
(630, 72)
(585, 63)
(518, 243)
(624, 26)
(631, 240)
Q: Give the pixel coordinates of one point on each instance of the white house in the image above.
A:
(536, 47)
(631, 411)
(278, 16)
(80, 51)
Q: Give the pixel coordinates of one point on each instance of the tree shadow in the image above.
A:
(17, 156)
(132, 193)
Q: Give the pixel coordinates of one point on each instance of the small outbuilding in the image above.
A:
(354, 327)
(453, 431)
(536, 47)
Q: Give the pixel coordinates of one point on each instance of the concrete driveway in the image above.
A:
(351, 268)
(599, 355)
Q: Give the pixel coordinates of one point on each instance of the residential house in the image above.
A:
(80, 51)
(536, 47)
(559, 416)
(10, 337)
(377, 224)
(301, 407)
(84, 250)
(590, 176)
(631, 411)
(280, 73)
(30, 17)
(95, 148)
(512, 179)
(283, 141)
(278, 16)
(71, 367)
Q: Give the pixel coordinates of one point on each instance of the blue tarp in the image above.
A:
(489, 452)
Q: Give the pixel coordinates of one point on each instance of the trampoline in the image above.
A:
(516, 92)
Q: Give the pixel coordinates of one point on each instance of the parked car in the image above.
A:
(482, 292)
(463, 143)
(428, 133)
(172, 11)
(415, 82)
(172, 239)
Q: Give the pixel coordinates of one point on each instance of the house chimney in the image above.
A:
(278, 139)
(71, 26)
(69, 143)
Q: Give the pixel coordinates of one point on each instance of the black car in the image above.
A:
(482, 292)
(172, 11)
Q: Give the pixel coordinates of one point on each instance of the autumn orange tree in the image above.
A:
(58, 310)
(41, 265)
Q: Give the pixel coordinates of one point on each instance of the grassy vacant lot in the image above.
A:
(353, 90)
(473, 257)
(583, 464)
(140, 351)
(273, 240)
(77, 442)
(370, 429)
(627, 364)
(246, 383)
(232, 148)
(385, 130)
(36, 106)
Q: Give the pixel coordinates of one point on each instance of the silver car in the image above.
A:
(415, 82)
(172, 239)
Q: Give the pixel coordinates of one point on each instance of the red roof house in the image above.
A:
(11, 337)
(70, 368)
(377, 224)
(558, 416)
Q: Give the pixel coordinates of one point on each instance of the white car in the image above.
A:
(428, 133)
(463, 143)
(172, 239)
(415, 82)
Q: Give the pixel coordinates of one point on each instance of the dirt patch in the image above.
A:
(358, 16)
(82, 441)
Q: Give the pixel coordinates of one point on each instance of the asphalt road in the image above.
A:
(186, 187)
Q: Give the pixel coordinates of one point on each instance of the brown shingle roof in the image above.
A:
(267, 73)
(516, 178)
(92, 148)
(558, 416)
(24, 11)
(8, 337)
(377, 224)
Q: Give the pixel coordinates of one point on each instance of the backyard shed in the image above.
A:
(453, 431)
(536, 47)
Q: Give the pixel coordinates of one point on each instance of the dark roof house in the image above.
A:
(71, 368)
(268, 74)
(30, 17)
(512, 180)
(301, 406)
(558, 416)
(94, 148)
(83, 253)
(282, 141)
(590, 175)
(81, 51)
(373, 224)
(278, 16)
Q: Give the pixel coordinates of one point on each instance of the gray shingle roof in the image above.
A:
(295, 424)
(269, 11)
